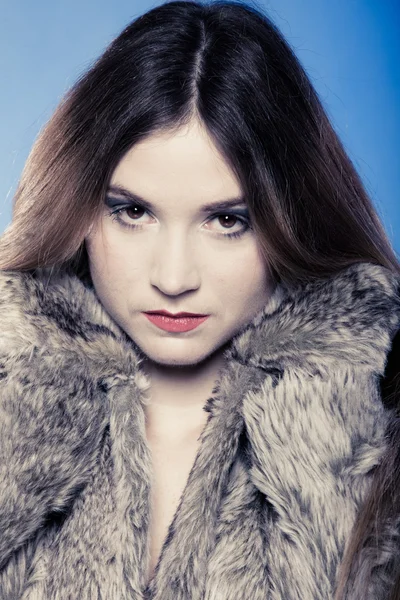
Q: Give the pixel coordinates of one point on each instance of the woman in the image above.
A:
(247, 447)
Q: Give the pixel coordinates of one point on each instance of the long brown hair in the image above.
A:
(226, 64)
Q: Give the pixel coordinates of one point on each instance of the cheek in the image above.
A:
(105, 270)
(112, 260)
(244, 280)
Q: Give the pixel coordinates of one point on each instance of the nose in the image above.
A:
(174, 268)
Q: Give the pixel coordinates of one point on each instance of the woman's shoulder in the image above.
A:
(348, 318)
(43, 307)
(54, 331)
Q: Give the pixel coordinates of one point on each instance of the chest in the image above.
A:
(172, 463)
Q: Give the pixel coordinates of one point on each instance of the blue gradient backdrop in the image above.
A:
(350, 49)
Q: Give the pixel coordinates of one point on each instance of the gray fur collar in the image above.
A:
(295, 426)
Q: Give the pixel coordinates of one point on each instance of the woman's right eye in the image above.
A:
(132, 212)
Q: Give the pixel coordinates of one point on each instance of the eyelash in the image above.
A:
(114, 214)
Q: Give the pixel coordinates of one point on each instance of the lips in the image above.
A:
(178, 323)
(176, 315)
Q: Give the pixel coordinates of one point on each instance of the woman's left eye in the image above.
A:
(234, 225)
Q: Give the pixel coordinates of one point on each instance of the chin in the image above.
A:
(175, 360)
(182, 357)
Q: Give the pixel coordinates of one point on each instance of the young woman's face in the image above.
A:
(168, 240)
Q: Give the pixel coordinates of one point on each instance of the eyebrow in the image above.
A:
(212, 206)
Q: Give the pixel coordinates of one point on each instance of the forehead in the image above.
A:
(181, 165)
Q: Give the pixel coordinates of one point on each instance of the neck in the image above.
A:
(177, 396)
(182, 387)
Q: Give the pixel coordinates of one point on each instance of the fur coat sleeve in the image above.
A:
(295, 429)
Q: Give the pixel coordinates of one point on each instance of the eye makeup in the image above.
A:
(118, 207)
(117, 191)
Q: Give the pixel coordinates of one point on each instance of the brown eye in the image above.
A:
(227, 221)
(134, 212)
(234, 225)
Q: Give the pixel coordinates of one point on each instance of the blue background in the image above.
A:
(350, 49)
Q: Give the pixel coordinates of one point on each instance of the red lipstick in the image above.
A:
(176, 323)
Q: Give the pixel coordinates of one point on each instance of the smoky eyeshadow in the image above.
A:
(113, 202)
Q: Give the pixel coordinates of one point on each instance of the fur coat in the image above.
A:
(296, 425)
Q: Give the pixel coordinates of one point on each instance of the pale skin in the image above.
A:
(178, 258)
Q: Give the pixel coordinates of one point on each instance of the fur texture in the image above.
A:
(296, 425)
